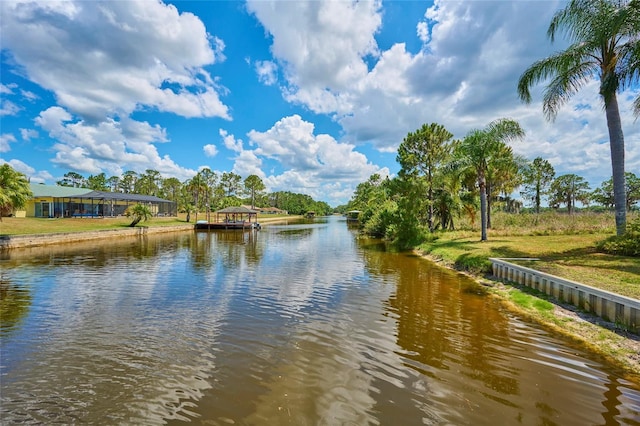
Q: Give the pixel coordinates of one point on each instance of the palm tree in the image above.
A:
(605, 37)
(138, 212)
(503, 175)
(14, 190)
(480, 150)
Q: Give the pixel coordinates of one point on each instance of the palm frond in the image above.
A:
(628, 68)
(575, 59)
(564, 85)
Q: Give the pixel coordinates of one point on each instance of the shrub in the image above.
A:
(380, 219)
(138, 212)
(624, 245)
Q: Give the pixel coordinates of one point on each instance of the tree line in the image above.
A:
(205, 192)
(442, 179)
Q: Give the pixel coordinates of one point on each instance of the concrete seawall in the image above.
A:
(24, 241)
(622, 310)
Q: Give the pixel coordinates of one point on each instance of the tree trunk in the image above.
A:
(483, 208)
(430, 215)
(430, 218)
(488, 191)
(616, 142)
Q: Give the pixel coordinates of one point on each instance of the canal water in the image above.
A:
(299, 324)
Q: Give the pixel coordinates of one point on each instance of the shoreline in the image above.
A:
(10, 242)
(588, 331)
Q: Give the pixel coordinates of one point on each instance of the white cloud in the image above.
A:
(230, 141)
(19, 166)
(267, 72)
(107, 58)
(210, 150)
(30, 96)
(7, 89)
(321, 45)
(31, 173)
(8, 108)
(109, 146)
(28, 134)
(422, 31)
(247, 163)
(316, 165)
(5, 140)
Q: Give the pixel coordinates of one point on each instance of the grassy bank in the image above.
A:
(564, 246)
(34, 226)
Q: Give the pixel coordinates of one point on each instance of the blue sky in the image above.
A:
(312, 96)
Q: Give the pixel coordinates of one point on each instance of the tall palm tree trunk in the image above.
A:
(616, 143)
(483, 209)
(489, 197)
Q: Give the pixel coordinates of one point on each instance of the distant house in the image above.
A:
(353, 215)
(267, 210)
(64, 201)
(272, 210)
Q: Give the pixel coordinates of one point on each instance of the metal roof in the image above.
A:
(237, 209)
(55, 191)
(40, 190)
(103, 195)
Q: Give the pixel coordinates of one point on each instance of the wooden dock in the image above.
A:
(209, 226)
(231, 218)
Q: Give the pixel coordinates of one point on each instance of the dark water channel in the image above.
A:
(303, 324)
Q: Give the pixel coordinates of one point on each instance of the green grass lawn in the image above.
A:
(567, 251)
(26, 226)
(31, 225)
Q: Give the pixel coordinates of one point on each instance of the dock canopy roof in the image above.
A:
(237, 210)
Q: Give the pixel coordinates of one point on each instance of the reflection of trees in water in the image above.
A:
(15, 302)
(444, 325)
(442, 318)
(200, 250)
(231, 247)
(96, 253)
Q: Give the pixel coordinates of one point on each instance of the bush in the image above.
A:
(380, 220)
(138, 212)
(624, 245)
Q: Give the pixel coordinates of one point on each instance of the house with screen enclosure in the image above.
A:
(54, 201)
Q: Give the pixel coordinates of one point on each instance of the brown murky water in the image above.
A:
(303, 324)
